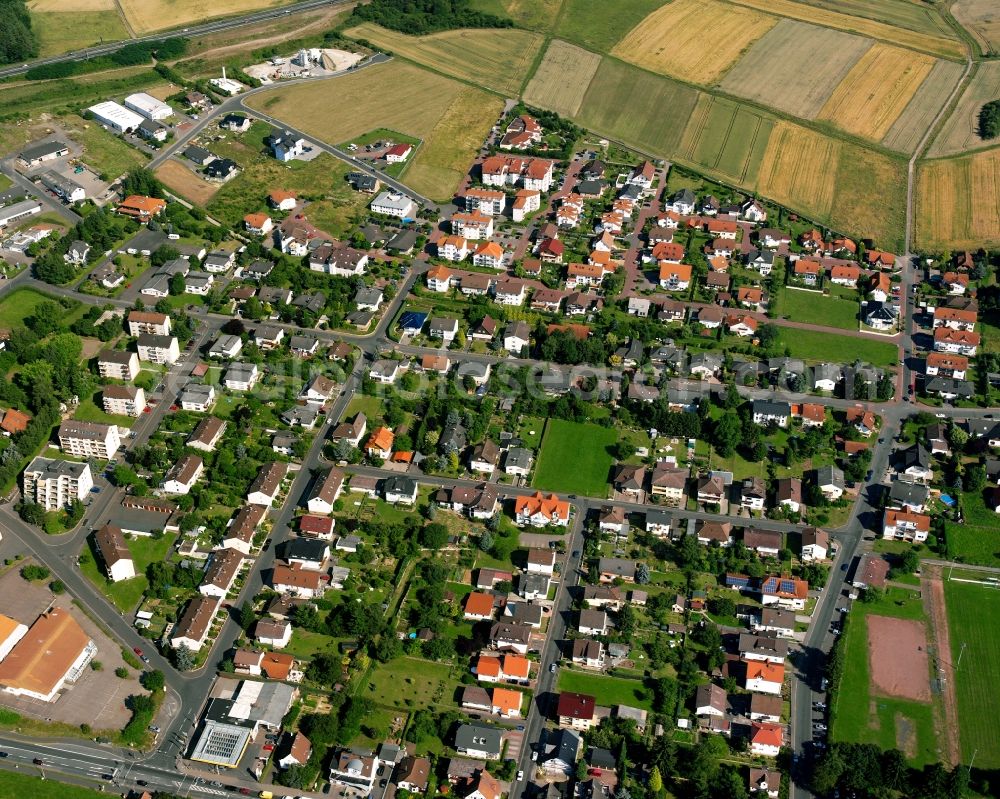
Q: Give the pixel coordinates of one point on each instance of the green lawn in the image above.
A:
(305, 644)
(811, 345)
(371, 407)
(19, 305)
(607, 691)
(125, 595)
(817, 309)
(857, 715)
(575, 458)
(973, 611)
(412, 683)
(17, 786)
(91, 409)
(977, 539)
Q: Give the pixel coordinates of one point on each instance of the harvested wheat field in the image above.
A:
(146, 16)
(451, 118)
(960, 131)
(186, 183)
(957, 201)
(876, 90)
(799, 169)
(948, 46)
(64, 25)
(782, 70)
(910, 126)
(671, 40)
(982, 19)
(497, 58)
(549, 88)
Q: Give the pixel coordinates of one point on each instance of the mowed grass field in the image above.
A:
(727, 138)
(874, 93)
(411, 683)
(972, 613)
(671, 40)
(608, 691)
(146, 16)
(19, 305)
(814, 346)
(640, 109)
(977, 538)
(981, 19)
(910, 125)
(860, 716)
(452, 119)
(498, 59)
(575, 458)
(961, 130)
(600, 25)
(957, 201)
(827, 14)
(178, 178)
(781, 70)
(809, 306)
(549, 88)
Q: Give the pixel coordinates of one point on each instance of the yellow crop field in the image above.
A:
(783, 69)
(982, 20)
(186, 183)
(61, 31)
(935, 45)
(452, 119)
(869, 100)
(870, 196)
(549, 87)
(957, 201)
(960, 131)
(672, 41)
(146, 16)
(910, 126)
(799, 169)
(497, 58)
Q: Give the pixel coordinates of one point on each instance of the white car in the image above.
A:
(520, 776)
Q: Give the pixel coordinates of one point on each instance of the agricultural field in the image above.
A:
(904, 14)
(972, 612)
(146, 16)
(980, 18)
(799, 169)
(960, 131)
(498, 59)
(916, 118)
(628, 104)
(942, 43)
(781, 69)
(609, 691)
(726, 138)
(177, 177)
(879, 215)
(874, 93)
(452, 119)
(813, 346)
(549, 88)
(817, 309)
(73, 24)
(671, 40)
(957, 201)
(599, 25)
(575, 458)
(533, 14)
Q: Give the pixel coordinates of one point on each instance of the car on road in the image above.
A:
(153, 728)
(552, 668)
(534, 756)
(843, 567)
(520, 776)
(4, 754)
(38, 761)
(144, 659)
(141, 783)
(137, 651)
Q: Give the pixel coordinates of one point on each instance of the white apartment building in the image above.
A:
(53, 484)
(89, 439)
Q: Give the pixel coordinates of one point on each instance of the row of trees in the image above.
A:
(417, 17)
(17, 38)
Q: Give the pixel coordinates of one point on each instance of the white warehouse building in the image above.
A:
(148, 106)
(116, 116)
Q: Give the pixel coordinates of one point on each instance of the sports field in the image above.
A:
(451, 118)
(799, 169)
(957, 201)
(960, 131)
(862, 714)
(981, 19)
(177, 177)
(575, 458)
(943, 43)
(972, 611)
(549, 88)
(146, 16)
(498, 58)
(598, 24)
(727, 138)
(911, 124)
(781, 69)
(817, 309)
(813, 346)
(645, 111)
(671, 40)
(874, 93)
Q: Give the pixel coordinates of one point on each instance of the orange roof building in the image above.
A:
(539, 510)
(507, 702)
(14, 421)
(487, 668)
(141, 208)
(381, 440)
(277, 665)
(515, 667)
(765, 672)
(53, 652)
(479, 606)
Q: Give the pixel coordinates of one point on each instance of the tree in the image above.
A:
(727, 434)
(121, 673)
(32, 513)
(958, 438)
(655, 782)
(183, 658)
(176, 285)
(33, 572)
(722, 606)
(989, 120)
(153, 681)
(433, 536)
(486, 541)
(909, 562)
(641, 573)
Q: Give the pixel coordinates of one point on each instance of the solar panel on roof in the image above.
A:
(788, 586)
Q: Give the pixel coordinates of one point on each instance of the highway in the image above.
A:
(190, 32)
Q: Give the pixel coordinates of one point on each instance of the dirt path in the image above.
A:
(933, 592)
